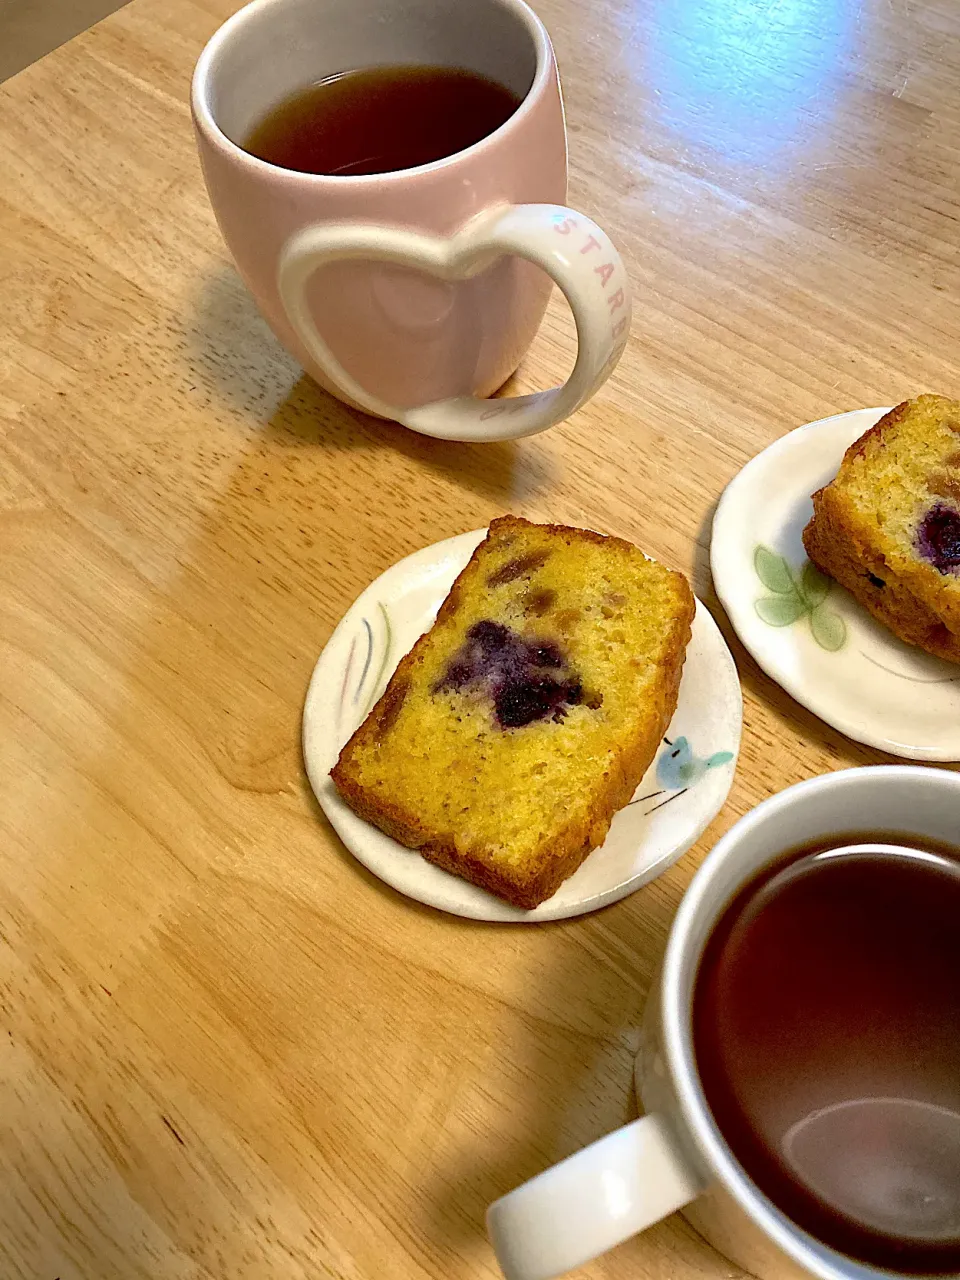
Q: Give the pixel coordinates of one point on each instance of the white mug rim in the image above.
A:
(817, 1257)
(206, 122)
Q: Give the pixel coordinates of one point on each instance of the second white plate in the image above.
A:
(805, 630)
(680, 794)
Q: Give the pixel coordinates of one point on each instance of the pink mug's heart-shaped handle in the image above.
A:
(572, 249)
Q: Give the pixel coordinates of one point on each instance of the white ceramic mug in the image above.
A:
(675, 1156)
(411, 294)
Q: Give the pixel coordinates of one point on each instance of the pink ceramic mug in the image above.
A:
(412, 294)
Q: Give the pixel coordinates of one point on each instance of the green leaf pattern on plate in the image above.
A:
(829, 629)
(795, 595)
(773, 571)
(814, 584)
(781, 611)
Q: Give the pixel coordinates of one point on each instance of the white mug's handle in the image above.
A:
(591, 1202)
(571, 248)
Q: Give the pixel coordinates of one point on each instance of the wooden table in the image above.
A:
(226, 1050)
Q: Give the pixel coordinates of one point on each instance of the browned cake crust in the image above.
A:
(568, 843)
(897, 587)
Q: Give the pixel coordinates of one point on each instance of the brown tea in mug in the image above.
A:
(826, 1022)
(381, 119)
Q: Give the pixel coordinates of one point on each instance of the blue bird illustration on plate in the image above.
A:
(678, 769)
(677, 766)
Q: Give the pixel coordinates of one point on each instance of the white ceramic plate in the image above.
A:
(681, 792)
(805, 630)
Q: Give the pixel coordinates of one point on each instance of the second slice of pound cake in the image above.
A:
(888, 527)
(524, 719)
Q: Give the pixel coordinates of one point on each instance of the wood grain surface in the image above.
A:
(226, 1051)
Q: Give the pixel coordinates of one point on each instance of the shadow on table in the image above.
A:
(559, 1078)
(559, 1075)
(244, 367)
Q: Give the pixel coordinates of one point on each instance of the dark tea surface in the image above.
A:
(381, 119)
(826, 1025)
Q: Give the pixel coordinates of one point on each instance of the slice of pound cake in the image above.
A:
(524, 719)
(888, 527)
